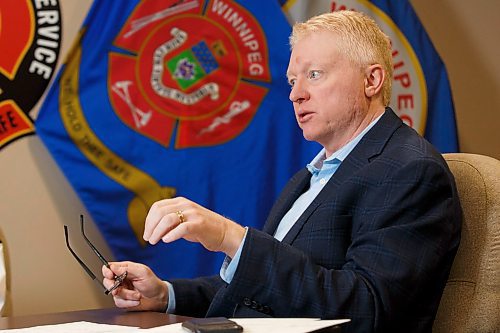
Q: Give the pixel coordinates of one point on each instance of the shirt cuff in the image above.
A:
(171, 298)
(229, 265)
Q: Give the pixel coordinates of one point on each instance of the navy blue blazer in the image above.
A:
(376, 245)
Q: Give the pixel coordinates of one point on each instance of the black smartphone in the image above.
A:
(211, 325)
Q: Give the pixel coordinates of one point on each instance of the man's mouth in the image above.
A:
(304, 116)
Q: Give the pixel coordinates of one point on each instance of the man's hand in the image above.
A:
(141, 290)
(176, 218)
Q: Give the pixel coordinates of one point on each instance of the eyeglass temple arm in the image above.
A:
(118, 279)
(99, 255)
(89, 272)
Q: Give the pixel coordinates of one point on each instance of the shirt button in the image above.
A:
(322, 181)
(247, 301)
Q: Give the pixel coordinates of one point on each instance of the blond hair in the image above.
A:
(362, 41)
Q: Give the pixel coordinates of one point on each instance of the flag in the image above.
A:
(158, 99)
(421, 91)
(30, 36)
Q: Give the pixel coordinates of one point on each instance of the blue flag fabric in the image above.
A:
(165, 98)
(421, 90)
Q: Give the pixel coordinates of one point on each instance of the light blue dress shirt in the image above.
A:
(321, 169)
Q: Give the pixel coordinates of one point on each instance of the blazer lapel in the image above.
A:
(371, 145)
(294, 188)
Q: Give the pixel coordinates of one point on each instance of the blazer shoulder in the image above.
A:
(394, 138)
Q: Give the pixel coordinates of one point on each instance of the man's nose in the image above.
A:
(299, 93)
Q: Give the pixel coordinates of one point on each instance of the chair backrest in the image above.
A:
(471, 298)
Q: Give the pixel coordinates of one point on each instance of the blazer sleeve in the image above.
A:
(404, 233)
(193, 296)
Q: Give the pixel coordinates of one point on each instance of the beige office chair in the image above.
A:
(471, 299)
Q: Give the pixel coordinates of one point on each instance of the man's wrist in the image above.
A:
(232, 239)
(229, 266)
(170, 301)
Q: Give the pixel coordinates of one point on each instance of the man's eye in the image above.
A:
(314, 74)
(291, 82)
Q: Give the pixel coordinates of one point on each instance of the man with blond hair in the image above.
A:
(367, 231)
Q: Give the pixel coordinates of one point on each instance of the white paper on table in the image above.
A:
(74, 327)
(250, 325)
(264, 325)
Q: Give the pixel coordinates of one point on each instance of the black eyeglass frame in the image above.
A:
(118, 278)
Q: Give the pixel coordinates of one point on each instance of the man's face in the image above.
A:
(327, 91)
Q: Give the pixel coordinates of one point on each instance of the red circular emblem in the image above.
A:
(189, 70)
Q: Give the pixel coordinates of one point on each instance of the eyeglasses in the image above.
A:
(118, 278)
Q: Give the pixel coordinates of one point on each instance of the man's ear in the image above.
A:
(374, 78)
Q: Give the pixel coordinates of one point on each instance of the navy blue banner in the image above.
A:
(165, 98)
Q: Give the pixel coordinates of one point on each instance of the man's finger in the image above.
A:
(122, 303)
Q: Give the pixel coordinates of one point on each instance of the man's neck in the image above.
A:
(363, 124)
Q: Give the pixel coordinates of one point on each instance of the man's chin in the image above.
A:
(308, 136)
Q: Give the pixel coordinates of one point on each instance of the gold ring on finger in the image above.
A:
(182, 219)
